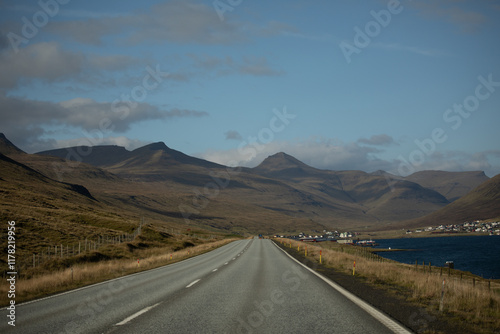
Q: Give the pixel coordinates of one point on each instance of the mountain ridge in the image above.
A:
(113, 156)
(10, 164)
(284, 166)
(451, 185)
(282, 189)
(7, 147)
(480, 203)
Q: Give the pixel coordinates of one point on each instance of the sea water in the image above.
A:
(479, 255)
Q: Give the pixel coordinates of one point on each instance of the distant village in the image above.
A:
(477, 226)
(492, 228)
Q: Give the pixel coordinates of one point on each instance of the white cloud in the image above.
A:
(45, 61)
(48, 62)
(378, 140)
(90, 31)
(273, 28)
(333, 154)
(111, 62)
(257, 66)
(320, 153)
(233, 135)
(179, 21)
(89, 114)
(453, 161)
(26, 121)
(412, 49)
(129, 144)
(460, 13)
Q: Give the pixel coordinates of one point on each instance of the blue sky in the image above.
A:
(400, 86)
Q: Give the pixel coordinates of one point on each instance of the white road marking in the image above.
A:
(377, 314)
(133, 316)
(215, 269)
(226, 263)
(193, 283)
(127, 279)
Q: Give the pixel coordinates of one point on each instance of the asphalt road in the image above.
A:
(248, 286)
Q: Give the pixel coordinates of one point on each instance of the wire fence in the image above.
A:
(86, 246)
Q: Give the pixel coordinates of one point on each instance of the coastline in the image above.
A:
(440, 251)
(400, 234)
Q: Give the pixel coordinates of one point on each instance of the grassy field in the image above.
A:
(467, 298)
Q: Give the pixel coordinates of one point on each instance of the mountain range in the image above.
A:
(280, 195)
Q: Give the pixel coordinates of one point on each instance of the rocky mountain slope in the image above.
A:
(281, 194)
(281, 187)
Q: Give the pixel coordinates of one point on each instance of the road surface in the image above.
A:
(248, 286)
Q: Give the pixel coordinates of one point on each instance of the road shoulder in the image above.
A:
(389, 299)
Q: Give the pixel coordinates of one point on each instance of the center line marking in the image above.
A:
(193, 283)
(215, 269)
(133, 316)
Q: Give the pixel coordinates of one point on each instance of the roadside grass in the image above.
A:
(49, 282)
(468, 299)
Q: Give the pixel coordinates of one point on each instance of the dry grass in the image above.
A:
(89, 273)
(477, 304)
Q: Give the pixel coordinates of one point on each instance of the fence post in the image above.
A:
(442, 298)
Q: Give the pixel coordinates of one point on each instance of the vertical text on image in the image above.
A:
(11, 273)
